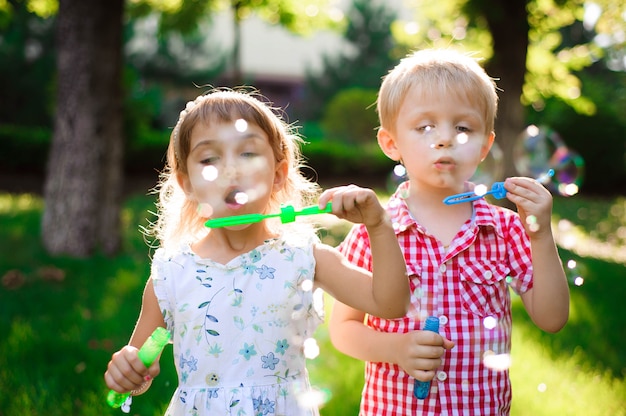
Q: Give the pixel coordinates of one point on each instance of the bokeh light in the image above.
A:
(241, 125)
(310, 348)
(496, 362)
(540, 149)
(209, 173)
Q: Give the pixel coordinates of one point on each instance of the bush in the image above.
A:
(351, 116)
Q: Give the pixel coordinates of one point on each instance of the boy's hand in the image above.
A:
(419, 353)
(534, 204)
(126, 372)
(355, 204)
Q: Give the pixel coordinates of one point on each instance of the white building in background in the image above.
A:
(276, 60)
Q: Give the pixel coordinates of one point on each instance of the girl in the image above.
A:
(239, 300)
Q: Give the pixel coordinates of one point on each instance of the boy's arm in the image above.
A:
(547, 302)
(418, 353)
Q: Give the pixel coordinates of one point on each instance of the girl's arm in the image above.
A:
(547, 302)
(125, 371)
(384, 292)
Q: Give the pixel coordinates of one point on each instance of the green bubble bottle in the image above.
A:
(148, 353)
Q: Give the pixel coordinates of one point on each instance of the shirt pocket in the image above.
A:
(483, 288)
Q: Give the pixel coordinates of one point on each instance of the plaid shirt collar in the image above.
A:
(484, 213)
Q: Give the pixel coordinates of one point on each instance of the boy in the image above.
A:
(437, 110)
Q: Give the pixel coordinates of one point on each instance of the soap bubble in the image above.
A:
(539, 150)
(491, 169)
(396, 177)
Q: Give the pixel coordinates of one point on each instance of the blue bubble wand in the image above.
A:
(287, 214)
(497, 190)
(422, 388)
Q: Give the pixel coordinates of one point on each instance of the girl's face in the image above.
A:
(231, 169)
(440, 138)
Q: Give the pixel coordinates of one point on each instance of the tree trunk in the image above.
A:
(508, 23)
(84, 173)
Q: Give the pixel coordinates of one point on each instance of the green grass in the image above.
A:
(57, 336)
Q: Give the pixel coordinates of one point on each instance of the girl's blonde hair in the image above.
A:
(437, 72)
(178, 220)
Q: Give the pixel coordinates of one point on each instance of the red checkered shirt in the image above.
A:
(467, 287)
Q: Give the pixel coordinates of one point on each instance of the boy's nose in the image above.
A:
(443, 139)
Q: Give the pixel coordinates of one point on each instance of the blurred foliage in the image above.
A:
(598, 138)
(561, 44)
(351, 116)
(27, 54)
(166, 51)
(368, 57)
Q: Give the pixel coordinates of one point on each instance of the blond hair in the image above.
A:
(437, 72)
(177, 218)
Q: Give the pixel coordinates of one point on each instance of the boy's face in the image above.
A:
(440, 138)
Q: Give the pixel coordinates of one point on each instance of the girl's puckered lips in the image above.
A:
(234, 198)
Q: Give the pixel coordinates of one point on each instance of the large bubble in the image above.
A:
(491, 169)
(540, 150)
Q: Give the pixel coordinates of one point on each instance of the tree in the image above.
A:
(84, 173)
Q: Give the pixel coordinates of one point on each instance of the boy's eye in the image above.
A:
(427, 129)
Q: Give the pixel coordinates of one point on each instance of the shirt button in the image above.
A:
(442, 268)
(442, 376)
(443, 320)
(488, 274)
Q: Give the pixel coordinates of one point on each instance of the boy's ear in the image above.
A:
(487, 146)
(280, 177)
(387, 143)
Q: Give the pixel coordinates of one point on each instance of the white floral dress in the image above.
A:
(238, 329)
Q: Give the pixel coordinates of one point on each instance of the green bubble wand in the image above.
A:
(287, 214)
(148, 353)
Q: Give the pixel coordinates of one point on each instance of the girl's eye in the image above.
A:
(463, 129)
(209, 160)
(248, 154)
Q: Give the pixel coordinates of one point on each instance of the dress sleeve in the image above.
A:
(162, 281)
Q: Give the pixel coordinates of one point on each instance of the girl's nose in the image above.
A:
(230, 171)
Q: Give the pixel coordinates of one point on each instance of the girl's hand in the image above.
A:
(355, 204)
(419, 353)
(534, 204)
(126, 372)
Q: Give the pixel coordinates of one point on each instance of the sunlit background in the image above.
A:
(63, 312)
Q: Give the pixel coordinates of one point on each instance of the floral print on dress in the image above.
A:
(238, 329)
